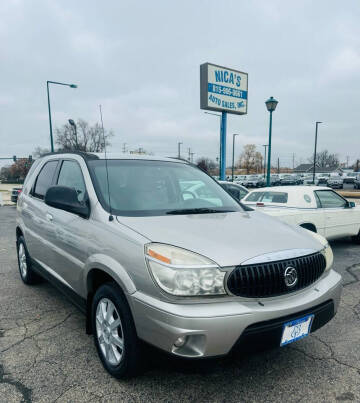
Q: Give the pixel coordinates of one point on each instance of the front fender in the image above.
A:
(110, 266)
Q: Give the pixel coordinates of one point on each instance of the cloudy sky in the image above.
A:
(140, 60)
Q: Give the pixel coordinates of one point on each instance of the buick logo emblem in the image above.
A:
(290, 276)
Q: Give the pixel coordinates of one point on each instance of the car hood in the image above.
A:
(226, 238)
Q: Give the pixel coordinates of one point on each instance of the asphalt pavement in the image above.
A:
(45, 355)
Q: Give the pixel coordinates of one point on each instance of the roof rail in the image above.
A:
(85, 155)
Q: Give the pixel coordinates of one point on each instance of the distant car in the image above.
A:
(335, 182)
(288, 180)
(350, 177)
(275, 180)
(316, 208)
(357, 181)
(236, 190)
(323, 179)
(254, 181)
(15, 194)
(240, 179)
(308, 180)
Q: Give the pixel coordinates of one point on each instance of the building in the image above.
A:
(308, 169)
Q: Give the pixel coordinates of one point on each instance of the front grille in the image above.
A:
(267, 279)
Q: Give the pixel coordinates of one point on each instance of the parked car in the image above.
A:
(335, 182)
(15, 193)
(319, 209)
(236, 190)
(308, 180)
(275, 180)
(349, 178)
(287, 180)
(254, 181)
(148, 259)
(322, 179)
(240, 179)
(357, 181)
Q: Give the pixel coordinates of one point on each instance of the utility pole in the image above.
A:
(192, 157)
(179, 151)
(347, 161)
(316, 131)
(189, 153)
(293, 161)
(357, 165)
(124, 148)
(278, 165)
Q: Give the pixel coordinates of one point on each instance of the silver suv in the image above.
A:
(146, 258)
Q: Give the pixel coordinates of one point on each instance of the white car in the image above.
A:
(315, 208)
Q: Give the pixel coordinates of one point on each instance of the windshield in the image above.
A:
(150, 188)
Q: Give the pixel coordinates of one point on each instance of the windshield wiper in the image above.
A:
(200, 210)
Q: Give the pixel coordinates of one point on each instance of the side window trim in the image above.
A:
(32, 190)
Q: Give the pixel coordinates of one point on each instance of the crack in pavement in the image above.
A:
(353, 275)
(20, 387)
(332, 354)
(36, 334)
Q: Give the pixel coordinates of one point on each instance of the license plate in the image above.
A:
(296, 330)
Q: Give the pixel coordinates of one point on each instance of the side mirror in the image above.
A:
(66, 198)
(352, 204)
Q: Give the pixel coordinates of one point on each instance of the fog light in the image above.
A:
(180, 341)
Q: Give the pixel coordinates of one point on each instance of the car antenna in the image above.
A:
(111, 217)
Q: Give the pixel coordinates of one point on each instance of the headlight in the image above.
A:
(181, 272)
(327, 251)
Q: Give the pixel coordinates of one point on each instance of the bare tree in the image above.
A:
(88, 139)
(39, 151)
(250, 159)
(324, 159)
(206, 164)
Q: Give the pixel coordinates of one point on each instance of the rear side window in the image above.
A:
(268, 197)
(71, 176)
(44, 179)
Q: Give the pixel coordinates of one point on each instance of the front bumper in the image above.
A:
(214, 328)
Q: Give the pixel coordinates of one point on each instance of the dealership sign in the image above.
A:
(223, 89)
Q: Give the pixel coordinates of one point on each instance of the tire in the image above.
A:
(356, 238)
(119, 348)
(27, 274)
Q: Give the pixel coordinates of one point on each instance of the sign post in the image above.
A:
(223, 90)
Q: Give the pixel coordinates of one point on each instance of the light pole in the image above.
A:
(48, 96)
(271, 104)
(73, 124)
(233, 156)
(179, 153)
(316, 131)
(265, 145)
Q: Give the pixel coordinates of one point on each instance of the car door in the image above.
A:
(340, 219)
(38, 229)
(70, 250)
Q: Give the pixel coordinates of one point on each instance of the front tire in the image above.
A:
(114, 331)
(27, 274)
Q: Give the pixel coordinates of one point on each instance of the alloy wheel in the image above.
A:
(109, 331)
(22, 260)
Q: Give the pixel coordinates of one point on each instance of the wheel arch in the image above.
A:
(99, 270)
(309, 226)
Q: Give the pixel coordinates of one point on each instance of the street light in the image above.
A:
(316, 130)
(271, 104)
(232, 167)
(48, 95)
(73, 124)
(265, 145)
(179, 153)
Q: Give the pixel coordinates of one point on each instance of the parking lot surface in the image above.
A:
(45, 355)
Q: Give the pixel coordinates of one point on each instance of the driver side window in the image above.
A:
(71, 176)
(330, 199)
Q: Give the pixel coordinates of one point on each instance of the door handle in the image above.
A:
(49, 217)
